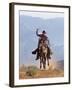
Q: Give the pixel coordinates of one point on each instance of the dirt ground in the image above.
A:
(43, 74)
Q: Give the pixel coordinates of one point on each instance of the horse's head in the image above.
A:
(43, 47)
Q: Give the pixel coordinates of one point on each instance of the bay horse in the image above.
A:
(43, 54)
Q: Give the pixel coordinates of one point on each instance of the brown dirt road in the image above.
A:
(43, 74)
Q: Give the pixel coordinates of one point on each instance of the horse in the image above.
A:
(43, 54)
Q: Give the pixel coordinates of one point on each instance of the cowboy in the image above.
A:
(42, 37)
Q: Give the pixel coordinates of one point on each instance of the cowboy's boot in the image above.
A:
(34, 52)
(49, 53)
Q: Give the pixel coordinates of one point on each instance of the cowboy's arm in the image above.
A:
(37, 33)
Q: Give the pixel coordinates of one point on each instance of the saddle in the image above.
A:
(39, 46)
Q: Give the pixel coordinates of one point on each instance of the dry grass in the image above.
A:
(43, 74)
(54, 70)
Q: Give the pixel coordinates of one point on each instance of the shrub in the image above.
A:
(31, 71)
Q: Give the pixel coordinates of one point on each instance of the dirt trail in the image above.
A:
(43, 74)
(50, 73)
(55, 69)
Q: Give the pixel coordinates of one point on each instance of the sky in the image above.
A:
(46, 15)
(51, 22)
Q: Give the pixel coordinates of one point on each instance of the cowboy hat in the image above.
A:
(44, 31)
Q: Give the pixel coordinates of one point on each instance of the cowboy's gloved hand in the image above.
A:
(37, 29)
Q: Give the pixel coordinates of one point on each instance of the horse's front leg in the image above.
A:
(40, 62)
(44, 62)
(48, 61)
